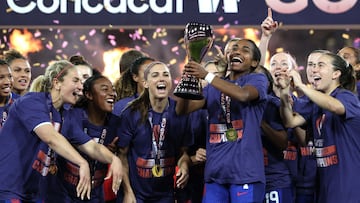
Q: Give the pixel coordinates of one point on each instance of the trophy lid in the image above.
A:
(197, 30)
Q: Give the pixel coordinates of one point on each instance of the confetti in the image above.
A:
(164, 42)
(345, 36)
(37, 34)
(113, 42)
(174, 49)
(92, 32)
(82, 37)
(64, 44)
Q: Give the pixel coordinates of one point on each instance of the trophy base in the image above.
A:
(189, 95)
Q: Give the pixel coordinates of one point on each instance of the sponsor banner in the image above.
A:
(175, 12)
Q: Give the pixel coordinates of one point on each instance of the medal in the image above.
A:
(231, 134)
(157, 171)
(53, 169)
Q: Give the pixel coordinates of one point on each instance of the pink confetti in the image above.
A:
(113, 42)
(227, 25)
(300, 68)
(236, 22)
(92, 32)
(137, 35)
(143, 38)
(56, 21)
(220, 19)
(37, 34)
(164, 42)
(59, 51)
(48, 46)
(86, 42)
(112, 37)
(64, 44)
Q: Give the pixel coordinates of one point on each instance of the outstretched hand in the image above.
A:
(116, 172)
(83, 188)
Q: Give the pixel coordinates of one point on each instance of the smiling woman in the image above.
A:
(20, 70)
(29, 156)
(94, 119)
(6, 96)
(151, 162)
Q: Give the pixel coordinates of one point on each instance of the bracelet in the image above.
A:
(209, 77)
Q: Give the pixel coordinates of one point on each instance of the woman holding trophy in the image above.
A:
(234, 169)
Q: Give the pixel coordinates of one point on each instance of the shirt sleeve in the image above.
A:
(350, 102)
(73, 128)
(32, 110)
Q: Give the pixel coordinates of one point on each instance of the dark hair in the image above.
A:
(347, 78)
(321, 51)
(356, 53)
(126, 86)
(3, 62)
(88, 87)
(256, 51)
(11, 55)
(266, 72)
(80, 60)
(128, 58)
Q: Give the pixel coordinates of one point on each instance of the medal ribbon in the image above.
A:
(8, 103)
(57, 127)
(101, 141)
(225, 104)
(157, 145)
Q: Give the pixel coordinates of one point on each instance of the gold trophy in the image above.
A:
(198, 39)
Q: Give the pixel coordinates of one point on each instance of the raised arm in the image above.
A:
(186, 106)
(243, 94)
(290, 118)
(268, 27)
(324, 101)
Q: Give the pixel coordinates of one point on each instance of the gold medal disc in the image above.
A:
(231, 134)
(157, 171)
(53, 169)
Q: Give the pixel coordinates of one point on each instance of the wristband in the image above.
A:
(209, 77)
